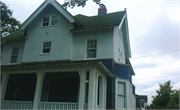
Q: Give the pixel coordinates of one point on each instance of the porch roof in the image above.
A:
(33, 66)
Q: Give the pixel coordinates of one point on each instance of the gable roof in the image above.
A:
(104, 20)
(42, 6)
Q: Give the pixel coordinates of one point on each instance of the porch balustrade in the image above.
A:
(16, 105)
(57, 105)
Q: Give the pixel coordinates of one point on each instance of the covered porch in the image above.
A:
(79, 85)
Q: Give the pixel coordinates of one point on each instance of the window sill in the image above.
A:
(49, 26)
(41, 54)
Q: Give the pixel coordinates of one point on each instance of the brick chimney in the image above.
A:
(102, 9)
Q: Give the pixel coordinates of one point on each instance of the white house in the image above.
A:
(60, 61)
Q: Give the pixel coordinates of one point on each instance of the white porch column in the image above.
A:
(82, 90)
(39, 84)
(91, 96)
(5, 78)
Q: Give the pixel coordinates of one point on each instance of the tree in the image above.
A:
(8, 23)
(174, 101)
(73, 3)
(166, 97)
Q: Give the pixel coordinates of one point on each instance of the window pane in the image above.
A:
(55, 20)
(46, 50)
(46, 21)
(91, 53)
(121, 102)
(13, 59)
(121, 88)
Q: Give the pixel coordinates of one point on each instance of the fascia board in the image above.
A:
(33, 15)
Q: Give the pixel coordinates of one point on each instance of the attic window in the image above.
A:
(46, 21)
(51, 21)
(55, 20)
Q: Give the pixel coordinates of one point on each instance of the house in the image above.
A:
(60, 61)
(141, 102)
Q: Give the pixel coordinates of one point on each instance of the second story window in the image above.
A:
(91, 49)
(14, 55)
(46, 21)
(46, 47)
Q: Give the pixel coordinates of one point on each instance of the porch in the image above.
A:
(67, 89)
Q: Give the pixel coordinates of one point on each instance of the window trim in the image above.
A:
(87, 49)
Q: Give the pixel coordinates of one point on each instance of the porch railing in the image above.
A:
(16, 105)
(57, 105)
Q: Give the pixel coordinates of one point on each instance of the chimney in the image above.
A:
(102, 9)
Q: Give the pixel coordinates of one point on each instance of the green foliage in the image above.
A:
(73, 3)
(174, 101)
(166, 98)
(8, 23)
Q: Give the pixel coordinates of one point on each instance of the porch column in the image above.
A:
(82, 90)
(91, 99)
(5, 78)
(39, 84)
(104, 93)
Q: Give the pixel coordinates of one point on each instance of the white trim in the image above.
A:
(85, 57)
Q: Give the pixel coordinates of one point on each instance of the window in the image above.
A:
(14, 55)
(121, 95)
(46, 47)
(46, 21)
(91, 48)
(52, 20)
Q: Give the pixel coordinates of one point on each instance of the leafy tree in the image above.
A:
(174, 101)
(73, 3)
(8, 23)
(166, 98)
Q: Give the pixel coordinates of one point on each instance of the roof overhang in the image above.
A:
(41, 7)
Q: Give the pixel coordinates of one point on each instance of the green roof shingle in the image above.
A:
(15, 35)
(104, 20)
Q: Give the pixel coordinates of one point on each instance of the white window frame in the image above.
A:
(46, 47)
(50, 21)
(90, 49)
(125, 93)
(14, 53)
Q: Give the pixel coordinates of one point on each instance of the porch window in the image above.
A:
(61, 87)
(21, 87)
(121, 95)
(91, 49)
(46, 47)
(14, 55)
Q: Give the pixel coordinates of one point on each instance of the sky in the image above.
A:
(154, 31)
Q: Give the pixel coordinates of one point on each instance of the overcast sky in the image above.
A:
(154, 30)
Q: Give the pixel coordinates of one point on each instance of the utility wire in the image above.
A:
(155, 54)
(157, 77)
